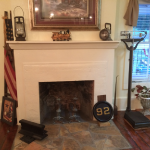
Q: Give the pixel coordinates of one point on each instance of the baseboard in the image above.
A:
(121, 103)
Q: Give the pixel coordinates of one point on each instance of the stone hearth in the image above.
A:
(77, 136)
(41, 61)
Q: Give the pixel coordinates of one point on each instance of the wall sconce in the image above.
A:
(20, 33)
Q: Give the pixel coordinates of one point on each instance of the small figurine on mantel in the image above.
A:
(61, 36)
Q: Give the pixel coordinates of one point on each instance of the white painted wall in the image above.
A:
(4, 6)
(112, 11)
(106, 16)
(120, 60)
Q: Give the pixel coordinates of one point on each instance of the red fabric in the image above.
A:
(10, 77)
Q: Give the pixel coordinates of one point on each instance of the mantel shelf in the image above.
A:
(48, 45)
(60, 61)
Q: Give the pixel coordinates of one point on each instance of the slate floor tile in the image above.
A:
(77, 136)
(83, 137)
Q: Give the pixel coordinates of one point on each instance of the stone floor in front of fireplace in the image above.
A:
(76, 136)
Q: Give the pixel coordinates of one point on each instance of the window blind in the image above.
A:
(141, 56)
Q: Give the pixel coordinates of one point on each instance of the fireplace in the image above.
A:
(40, 61)
(63, 102)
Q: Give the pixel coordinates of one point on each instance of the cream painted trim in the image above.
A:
(121, 103)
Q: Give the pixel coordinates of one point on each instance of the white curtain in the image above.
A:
(132, 13)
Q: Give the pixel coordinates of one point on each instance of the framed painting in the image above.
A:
(65, 14)
(8, 111)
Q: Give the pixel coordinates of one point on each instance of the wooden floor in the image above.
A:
(139, 139)
(7, 135)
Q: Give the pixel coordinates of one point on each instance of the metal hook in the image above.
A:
(21, 8)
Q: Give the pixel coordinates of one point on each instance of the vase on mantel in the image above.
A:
(145, 102)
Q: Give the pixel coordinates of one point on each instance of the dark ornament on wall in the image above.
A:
(9, 29)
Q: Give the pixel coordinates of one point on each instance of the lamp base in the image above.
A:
(136, 119)
(20, 38)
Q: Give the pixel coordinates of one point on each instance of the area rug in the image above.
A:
(76, 136)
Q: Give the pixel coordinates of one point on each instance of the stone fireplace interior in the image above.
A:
(73, 62)
(76, 97)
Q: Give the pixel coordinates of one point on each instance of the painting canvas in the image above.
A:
(8, 110)
(65, 14)
(64, 8)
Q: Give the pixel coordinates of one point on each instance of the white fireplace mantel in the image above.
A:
(45, 61)
(47, 45)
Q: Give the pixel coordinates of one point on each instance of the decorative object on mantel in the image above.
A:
(132, 13)
(20, 33)
(61, 36)
(134, 118)
(8, 111)
(102, 111)
(105, 33)
(62, 14)
(9, 67)
(32, 131)
(143, 94)
(115, 106)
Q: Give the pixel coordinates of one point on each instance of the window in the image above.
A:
(141, 56)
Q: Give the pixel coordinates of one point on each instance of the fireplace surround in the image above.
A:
(42, 61)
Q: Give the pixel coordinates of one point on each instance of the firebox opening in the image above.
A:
(67, 101)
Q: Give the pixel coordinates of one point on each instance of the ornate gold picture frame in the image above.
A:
(65, 14)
